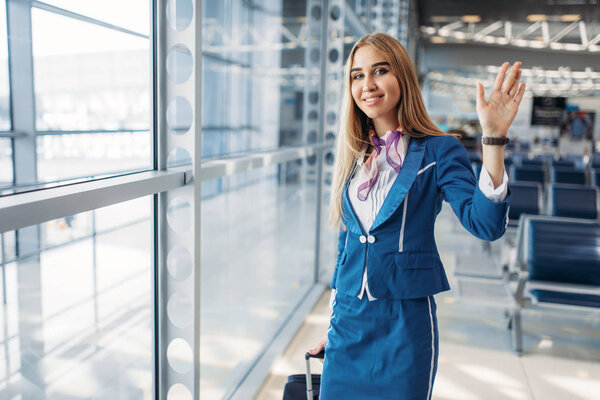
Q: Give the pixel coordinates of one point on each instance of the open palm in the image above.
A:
(499, 111)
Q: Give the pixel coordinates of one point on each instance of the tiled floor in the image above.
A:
(561, 360)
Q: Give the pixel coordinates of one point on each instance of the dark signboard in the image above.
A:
(548, 111)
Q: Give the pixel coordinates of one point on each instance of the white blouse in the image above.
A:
(367, 210)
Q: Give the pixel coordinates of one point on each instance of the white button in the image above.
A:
(371, 239)
(363, 239)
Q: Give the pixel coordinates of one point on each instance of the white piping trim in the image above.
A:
(333, 303)
(401, 244)
(426, 167)
(432, 350)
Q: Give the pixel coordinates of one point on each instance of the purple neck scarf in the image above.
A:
(391, 156)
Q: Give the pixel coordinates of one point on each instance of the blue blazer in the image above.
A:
(399, 250)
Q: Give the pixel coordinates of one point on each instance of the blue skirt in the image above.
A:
(382, 349)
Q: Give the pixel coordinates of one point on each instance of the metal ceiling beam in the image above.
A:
(453, 31)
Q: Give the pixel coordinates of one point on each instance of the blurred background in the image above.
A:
(165, 169)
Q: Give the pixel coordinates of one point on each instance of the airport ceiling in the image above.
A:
(551, 25)
(439, 11)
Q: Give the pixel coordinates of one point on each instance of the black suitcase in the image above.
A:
(300, 386)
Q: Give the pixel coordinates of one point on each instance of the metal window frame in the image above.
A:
(32, 208)
(66, 13)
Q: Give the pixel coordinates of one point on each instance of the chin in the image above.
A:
(373, 115)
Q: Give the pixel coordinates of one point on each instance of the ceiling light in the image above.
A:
(536, 17)
(573, 46)
(440, 18)
(570, 17)
(471, 18)
(438, 39)
(520, 42)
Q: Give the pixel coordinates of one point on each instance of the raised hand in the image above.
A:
(499, 111)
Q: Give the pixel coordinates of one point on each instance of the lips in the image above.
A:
(369, 101)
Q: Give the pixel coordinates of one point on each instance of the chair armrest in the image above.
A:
(564, 287)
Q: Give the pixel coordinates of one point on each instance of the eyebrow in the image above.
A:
(372, 66)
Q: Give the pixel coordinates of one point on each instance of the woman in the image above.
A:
(393, 169)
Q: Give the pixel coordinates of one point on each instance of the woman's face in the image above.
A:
(374, 87)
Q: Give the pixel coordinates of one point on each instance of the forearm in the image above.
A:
(493, 161)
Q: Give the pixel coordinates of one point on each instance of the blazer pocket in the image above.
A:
(426, 260)
(343, 258)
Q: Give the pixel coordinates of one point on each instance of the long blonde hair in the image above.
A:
(353, 133)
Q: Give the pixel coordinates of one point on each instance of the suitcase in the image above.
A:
(304, 386)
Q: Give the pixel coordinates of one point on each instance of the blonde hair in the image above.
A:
(353, 133)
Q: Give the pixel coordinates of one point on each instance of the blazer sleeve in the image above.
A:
(340, 249)
(481, 216)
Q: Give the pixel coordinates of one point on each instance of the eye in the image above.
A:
(357, 75)
(382, 70)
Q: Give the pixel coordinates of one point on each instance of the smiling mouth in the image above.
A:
(373, 100)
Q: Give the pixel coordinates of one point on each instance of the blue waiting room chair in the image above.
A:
(525, 198)
(529, 174)
(574, 201)
(563, 163)
(595, 177)
(567, 175)
(533, 162)
(558, 266)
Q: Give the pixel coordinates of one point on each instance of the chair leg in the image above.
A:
(508, 319)
(517, 334)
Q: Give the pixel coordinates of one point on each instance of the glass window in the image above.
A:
(88, 77)
(6, 166)
(4, 85)
(131, 14)
(257, 263)
(78, 315)
(75, 155)
(253, 76)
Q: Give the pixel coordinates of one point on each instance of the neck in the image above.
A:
(384, 124)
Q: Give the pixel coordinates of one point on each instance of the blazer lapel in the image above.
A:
(404, 180)
(351, 220)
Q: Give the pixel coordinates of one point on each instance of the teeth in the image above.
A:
(373, 98)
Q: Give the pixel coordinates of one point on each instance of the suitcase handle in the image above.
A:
(321, 354)
(307, 357)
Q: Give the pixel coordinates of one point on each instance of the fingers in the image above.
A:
(500, 77)
(513, 89)
(316, 350)
(510, 79)
(519, 95)
(480, 95)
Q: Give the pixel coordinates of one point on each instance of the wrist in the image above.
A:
(492, 134)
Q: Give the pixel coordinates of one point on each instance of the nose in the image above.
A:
(368, 84)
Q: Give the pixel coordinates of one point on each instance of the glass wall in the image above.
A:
(253, 76)
(77, 319)
(90, 64)
(85, 293)
(6, 167)
(257, 263)
(4, 86)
